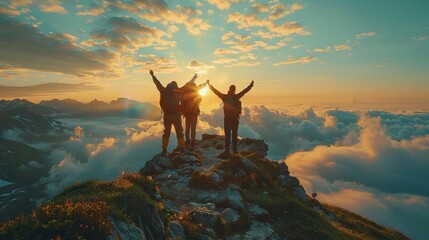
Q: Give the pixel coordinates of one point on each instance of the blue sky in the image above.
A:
(338, 52)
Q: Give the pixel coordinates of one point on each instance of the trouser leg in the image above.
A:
(193, 125)
(167, 131)
(234, 129)
(227, 129)
(187, 127)
(179, 132)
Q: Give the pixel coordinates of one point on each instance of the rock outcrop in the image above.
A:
(195, 195)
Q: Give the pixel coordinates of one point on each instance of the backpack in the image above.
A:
(232, 105)
(170, 100)
(190, 102)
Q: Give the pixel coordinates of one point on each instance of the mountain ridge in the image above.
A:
(194, 195)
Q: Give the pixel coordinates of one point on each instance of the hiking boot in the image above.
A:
(234, 150)
(164, 151)
(187, 143)
(224, 155)
(192, 147)
(179, 149)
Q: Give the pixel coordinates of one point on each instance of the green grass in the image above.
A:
(360, 227)
(293, 219)
(82, 210)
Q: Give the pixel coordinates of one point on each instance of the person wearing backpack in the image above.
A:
(170, 105)
(232, 110)
(191, 109)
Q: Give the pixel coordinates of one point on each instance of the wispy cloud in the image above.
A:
(26, 47)
(320, 50)
(199, 68)
(343, 47)
(367, 34)
(45, 89)
(280, 10)
(302, 60)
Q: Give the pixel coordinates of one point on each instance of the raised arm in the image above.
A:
(193, 78)
(215, 91)
(201, 86)
(190, 81)
(157, 82)
(241, 94)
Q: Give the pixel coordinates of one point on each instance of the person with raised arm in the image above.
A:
(232, 110)
(191, 109)
(170, 105)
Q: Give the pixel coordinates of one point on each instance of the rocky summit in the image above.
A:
(195, 195)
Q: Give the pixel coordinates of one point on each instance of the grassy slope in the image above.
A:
(82, 210)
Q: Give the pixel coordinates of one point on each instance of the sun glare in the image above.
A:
(203, 91)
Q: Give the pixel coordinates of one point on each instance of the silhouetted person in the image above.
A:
(232, 111)
(191, 109)
(170, 104)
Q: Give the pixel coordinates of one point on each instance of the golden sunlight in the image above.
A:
(203, 91)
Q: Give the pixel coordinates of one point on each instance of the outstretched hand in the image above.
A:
(195, 76)
(252, 83)
(151, 72)
(207, 82)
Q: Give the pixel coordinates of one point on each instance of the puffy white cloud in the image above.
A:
(280, 10)
(260, 7)
(52, 6)
(376, 176)
(223, 4)
(180, 15)
(252, 21)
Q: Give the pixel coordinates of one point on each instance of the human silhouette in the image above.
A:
(232, 110)
(191, 109)
(170, 104)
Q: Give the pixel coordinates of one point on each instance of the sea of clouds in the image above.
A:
(371, 162)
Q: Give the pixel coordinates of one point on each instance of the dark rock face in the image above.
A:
(210, 190)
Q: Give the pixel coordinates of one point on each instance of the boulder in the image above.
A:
(157, 165)
(177, 232)
(229, 216)
(257, 230)
(125, 231)
(205, 216)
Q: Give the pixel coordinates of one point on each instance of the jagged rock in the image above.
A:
(205, 216)
(300, 192)
(258, 230)
(257, 210)
(190, 159)
(209, 205)
(203, 237)
(229, 216)
(177, 232)
(154, 229)
(125, 231)
(230, 195)
(284, 169)
(254, 145)
(157, 165)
